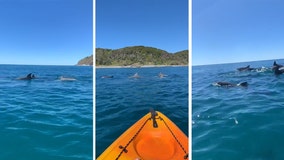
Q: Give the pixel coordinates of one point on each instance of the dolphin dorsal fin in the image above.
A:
(29, 75)
(274, 63)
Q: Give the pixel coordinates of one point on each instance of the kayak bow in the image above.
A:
(153, 137)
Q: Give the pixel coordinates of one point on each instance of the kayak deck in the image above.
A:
(153, 137)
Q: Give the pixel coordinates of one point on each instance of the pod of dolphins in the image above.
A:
(136, 75)
(276, 68)
(31, 76)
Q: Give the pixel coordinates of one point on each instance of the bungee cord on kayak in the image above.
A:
(155, 125)
(124, 148)
(186, 154)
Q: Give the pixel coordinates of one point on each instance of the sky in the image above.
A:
(160, 24)
(227, 31)
(45, 32)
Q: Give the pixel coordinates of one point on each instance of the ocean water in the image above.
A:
(121, 101)
(237, 123)
(46, 118)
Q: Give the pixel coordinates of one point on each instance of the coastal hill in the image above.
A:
(87, 61)
(139, 55)
(136, 56)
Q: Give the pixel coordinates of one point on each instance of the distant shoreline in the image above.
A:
(142, 66)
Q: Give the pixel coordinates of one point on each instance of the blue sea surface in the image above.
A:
(121, 100)
(45, 118)
(237, 123)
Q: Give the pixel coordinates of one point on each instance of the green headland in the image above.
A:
(136, 56)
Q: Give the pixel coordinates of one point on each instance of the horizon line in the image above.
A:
(238, 62)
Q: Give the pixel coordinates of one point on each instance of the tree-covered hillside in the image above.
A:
(136, 56)
(139, 55)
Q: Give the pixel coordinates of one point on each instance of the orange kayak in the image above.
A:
(153, 137)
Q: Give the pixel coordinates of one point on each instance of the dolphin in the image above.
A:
(30, 76)
(247, 68)
(275, 65)
(107, 77)
(61, 78)
(228, 84)
(135, 76)
(161, 75)
(278, 70)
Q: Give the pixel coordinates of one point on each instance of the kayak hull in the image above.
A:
(149, 138)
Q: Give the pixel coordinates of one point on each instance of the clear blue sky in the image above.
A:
(161, 24)
(225, 31)
(48, 32)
